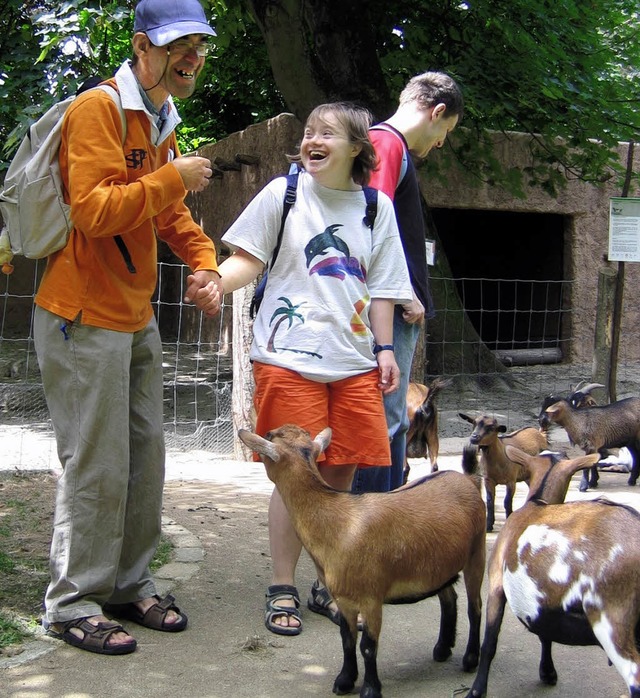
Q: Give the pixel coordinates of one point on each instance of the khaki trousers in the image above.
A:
(104, 392)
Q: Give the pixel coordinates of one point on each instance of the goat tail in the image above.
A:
(470, 460)
(470, 465)
(436, 385)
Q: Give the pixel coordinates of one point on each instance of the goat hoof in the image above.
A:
(441, 653)
(549, 678)
(369, 691)
(632, 481)
(343, 685)
(470, 662)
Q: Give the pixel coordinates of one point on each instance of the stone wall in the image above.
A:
(586, 211)
(585, 208)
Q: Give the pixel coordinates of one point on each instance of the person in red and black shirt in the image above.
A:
(430, 107)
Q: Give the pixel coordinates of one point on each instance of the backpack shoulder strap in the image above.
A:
(115, 96)
(371, 210)
(289, 200)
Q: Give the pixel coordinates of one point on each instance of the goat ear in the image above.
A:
(466, 418)
(323, 439)
(259, 445)
(517, 455)
(586, 461)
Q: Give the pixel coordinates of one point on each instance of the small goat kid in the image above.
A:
(569, 572)
(395, 547)
(497, 468)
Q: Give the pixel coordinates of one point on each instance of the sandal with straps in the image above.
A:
(94, 637)
(154, 617)
(320, 602)
(275, 593)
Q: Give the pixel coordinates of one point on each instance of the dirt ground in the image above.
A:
(227, 651)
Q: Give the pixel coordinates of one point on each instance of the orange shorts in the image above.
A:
(352, 407)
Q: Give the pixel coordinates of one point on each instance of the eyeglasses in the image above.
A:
(182, 47)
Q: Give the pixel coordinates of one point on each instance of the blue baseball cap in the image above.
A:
(164, 21)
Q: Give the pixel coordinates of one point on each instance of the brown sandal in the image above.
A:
(94, 638)
(154, 617)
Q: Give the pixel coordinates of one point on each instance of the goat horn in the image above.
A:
(323, 439)
(590, 386)
(259, 445)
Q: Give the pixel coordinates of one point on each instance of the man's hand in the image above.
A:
(204, 290)
(413, 312)
(195, 172)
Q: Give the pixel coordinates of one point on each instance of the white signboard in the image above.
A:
(624, 230)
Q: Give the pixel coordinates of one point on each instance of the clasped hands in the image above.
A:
(205, 291)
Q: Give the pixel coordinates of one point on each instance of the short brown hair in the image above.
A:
(356, 121)
(431, 88)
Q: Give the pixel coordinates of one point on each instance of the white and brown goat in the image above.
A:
(374, 548)
(497, 468)
(570, 572)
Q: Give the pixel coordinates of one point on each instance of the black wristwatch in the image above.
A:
(377, 348)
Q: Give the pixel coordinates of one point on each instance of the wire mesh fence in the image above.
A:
(523, 330)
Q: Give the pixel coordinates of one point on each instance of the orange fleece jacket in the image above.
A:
(134, 192)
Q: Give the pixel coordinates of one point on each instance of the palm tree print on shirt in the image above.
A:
(286, 312)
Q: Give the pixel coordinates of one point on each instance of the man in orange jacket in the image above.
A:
(96, 336)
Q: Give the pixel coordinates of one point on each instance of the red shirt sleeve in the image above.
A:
(390, 151)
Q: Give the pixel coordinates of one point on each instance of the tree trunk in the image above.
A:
(322, 51)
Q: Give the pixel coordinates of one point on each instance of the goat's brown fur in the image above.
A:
(497, 469)
(422, 436)
(595, 601)
(601, 427)
(372, 548)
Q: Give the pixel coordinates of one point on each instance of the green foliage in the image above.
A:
(564, 71)
(11, 631)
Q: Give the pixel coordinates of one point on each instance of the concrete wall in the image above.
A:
(584, 206)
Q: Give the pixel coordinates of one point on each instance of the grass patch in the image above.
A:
(11, 631)
(163, 554)
(26, 516)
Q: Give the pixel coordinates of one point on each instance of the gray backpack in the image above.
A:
(36, 218)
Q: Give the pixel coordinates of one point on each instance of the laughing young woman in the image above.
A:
(322, 349)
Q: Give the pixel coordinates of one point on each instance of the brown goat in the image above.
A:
(395, 547)
(422, 436)
(497, 468)
(570, 573)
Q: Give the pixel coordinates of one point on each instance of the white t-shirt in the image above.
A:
(314, 317)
